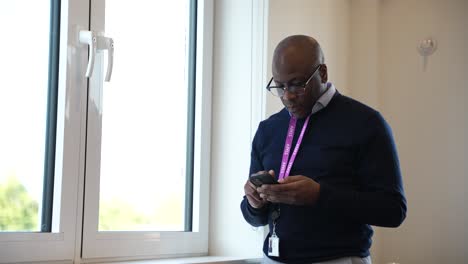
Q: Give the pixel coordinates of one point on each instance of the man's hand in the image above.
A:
(297, 190)
(253, 197)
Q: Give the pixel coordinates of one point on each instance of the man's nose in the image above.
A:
(288, 95)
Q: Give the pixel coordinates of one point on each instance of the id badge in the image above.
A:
(273, 246)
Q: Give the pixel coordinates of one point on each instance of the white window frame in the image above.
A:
(63, 244)
(60, 243)
(134, 245)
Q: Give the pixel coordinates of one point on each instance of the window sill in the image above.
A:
(194, 260)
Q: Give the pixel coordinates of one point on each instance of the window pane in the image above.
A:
(144, 128)
(24, 52)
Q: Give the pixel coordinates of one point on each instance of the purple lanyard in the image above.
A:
(284, 172)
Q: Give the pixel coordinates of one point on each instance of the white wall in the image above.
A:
(427, 111)
(326, 20)
(363, 64)
(236, 107)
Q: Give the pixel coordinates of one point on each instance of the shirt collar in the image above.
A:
(325, 99)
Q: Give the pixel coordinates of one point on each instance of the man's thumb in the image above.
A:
(289, 179)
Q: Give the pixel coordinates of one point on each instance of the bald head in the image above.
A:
(297, 53)
(298, 62)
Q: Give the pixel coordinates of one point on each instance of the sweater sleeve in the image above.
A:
(253, 216)
(380, 200)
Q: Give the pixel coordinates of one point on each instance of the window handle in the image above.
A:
(97, 44)
(110, 58)
(89, 38)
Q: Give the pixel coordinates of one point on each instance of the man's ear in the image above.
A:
(323, 71)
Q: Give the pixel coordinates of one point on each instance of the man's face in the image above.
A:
(299, 104)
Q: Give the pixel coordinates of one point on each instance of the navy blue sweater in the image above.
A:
(348, 149)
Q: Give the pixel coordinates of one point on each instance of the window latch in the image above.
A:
(97, 43)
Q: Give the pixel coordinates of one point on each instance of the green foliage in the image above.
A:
(116, 214)
(18, 211)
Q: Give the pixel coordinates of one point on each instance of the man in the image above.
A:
(335, 161)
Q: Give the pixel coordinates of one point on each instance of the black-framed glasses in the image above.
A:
(297, 89)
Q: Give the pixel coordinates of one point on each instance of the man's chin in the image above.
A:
(298, 114)
(297, 111)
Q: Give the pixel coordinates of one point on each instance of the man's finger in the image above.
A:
(279, 198)
(251, 185)
(277, 188)
(272, 173)
(254, 198)
(290, 179)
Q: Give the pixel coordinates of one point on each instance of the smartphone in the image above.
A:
(262, 178)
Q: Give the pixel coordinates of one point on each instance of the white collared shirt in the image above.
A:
(323, 101)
